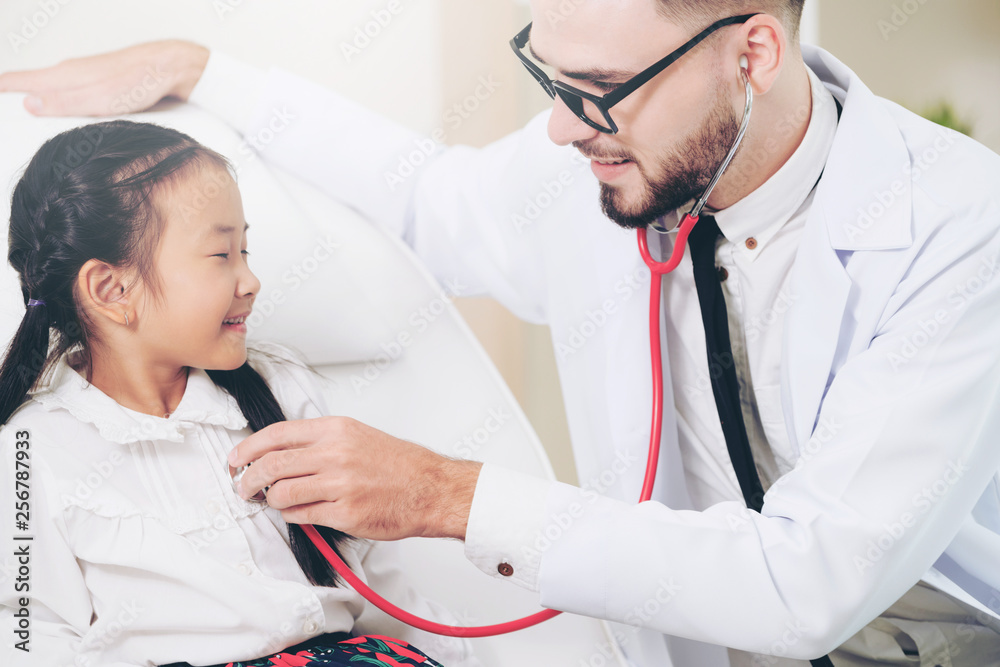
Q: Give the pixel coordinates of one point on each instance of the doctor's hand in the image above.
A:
(115, 83)
(338, 472)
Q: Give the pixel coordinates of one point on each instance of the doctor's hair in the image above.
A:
(89, 193)
(697, 15)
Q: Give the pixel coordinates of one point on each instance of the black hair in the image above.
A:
(699, 14)
(86, 194)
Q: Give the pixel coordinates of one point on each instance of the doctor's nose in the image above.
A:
(565, 127)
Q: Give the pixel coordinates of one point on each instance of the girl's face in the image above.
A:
(206, 289)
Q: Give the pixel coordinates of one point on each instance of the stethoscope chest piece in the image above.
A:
(236, 474)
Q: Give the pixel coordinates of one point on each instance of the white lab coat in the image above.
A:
(891, 366)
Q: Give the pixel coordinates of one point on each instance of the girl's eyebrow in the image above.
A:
(225, 230)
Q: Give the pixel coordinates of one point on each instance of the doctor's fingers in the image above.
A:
(290, 492)
(125, 81)
(339, 517)
(319, 432)
(274, 466)
(358, 510)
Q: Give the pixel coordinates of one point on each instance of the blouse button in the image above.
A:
(212, 507)
(244, 568)
(310, 627)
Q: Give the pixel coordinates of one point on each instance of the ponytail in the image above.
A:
(25, 359)
(261, 409)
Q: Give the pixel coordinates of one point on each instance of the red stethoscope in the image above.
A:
(658, 269)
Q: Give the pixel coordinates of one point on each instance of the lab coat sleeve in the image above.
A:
(907, 444)
(461, 209)
(48, 577)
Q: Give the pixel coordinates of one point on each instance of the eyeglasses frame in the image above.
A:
(605, 102)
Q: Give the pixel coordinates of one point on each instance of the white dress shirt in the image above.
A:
(760, 237)
(143, 553)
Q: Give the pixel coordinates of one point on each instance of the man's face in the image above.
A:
(674, 131)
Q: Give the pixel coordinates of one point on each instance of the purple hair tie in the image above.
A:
(35, 302)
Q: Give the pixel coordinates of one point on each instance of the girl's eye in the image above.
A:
(245, 252)
(224, 255)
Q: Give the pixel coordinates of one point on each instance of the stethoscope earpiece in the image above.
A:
(744, 62)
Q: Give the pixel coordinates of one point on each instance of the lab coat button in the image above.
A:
(310, 627)
(505, 568)
(751, 243)
(244, 568)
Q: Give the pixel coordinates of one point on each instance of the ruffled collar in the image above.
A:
(203, 402)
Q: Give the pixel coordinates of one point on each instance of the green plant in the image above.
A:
(943, 113)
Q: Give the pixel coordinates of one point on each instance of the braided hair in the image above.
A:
(86, 194)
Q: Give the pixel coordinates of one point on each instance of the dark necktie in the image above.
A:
(722, 366)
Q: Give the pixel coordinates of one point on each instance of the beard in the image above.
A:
(683, 172)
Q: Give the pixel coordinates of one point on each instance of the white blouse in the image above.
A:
(142, 552)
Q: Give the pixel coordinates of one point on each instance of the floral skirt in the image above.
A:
(355, 651)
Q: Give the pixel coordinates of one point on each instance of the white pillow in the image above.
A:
(332, 285)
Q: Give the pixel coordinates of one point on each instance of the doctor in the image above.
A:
(857, 257)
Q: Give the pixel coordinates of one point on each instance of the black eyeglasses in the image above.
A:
(594, 110)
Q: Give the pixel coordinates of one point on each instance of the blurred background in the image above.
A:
(422, 66)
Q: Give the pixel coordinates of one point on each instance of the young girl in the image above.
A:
(135, 548)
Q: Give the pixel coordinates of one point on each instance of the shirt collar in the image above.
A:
(764, 211)
(203, 402)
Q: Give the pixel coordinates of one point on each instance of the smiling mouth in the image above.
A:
(236, 320)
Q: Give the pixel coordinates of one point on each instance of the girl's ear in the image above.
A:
(102, 291)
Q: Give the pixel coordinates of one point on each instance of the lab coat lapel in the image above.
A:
(820, 288)
(862, 204)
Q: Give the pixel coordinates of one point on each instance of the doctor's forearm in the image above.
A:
(448, 514)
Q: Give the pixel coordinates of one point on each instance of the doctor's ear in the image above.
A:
(762, 51)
